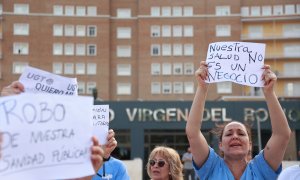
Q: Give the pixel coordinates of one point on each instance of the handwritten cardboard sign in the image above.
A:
(239, 62)
(45, 136)
(101, 122)
(39, 81)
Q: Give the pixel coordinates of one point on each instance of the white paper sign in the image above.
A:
(101, 122)
(45, 136)
(39, 81)
(239, 62)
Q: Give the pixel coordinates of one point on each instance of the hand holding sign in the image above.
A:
(239, 62)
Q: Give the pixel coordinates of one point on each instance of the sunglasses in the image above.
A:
(160, 163)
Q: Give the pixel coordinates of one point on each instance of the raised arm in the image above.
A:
(198, 144)
(276, 146)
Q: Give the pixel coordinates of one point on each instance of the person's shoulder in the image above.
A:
(116, 161)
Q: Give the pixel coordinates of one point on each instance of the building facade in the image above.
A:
(144, 51)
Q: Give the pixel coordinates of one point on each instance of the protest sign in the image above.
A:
(101, 122)
(239, 62)
(39, 81)
(45, 136)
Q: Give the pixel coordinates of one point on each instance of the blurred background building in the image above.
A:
(141, 50)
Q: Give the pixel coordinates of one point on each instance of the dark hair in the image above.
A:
(219, 130)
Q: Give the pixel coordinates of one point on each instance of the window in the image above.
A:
(90, 87)
(124, 70)
(124, 51)
(289, 9)
(177, 68)
(223, 30)
(69, 30)
(57, 49)
(92, 31)
(155, 69)
(57, 30)
(91, 49)
(291, 30)
(69, 68)
(58, 10)
(188, 68)
(187, 11)
(255, 31)
(57, 68)
(124, 33)
(19, 67)
(245, 11)
(21, 8)
(21, 29)
(178, 87)
(21, 48)
(292, 89)
(92, 11)
(166, 69)
(155, 11)
(155, 88)
(298, 8)
(155, 50)
(80, 10)
(177, 31)
(166, 50)
(69, 10)
(224, 87)
(291, 50)
(188, 31)
(80, 30)
(222, 10)
(188, 87)
(123, 13)
(166, 11)
(91, 68)
(80, 68)
(188, 49)
(166, 88)
(166, 31)
(155, 31)
(81, 87)
(278, 10)
(177, 11)
(123, 88)
(291, 69)
(80, 49)
(177, 49)
(266, 10)
(255, 11)
(69, 49)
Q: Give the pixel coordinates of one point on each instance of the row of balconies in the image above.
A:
(246, 37)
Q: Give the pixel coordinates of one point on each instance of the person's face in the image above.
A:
(160, 169)
(235, 141)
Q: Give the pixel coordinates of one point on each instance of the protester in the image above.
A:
(112, 168)
(290, 173)
(188, 169)
(97, 152)
(164, 164)
(234, 141)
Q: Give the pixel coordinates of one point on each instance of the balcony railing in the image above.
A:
(269, 36)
